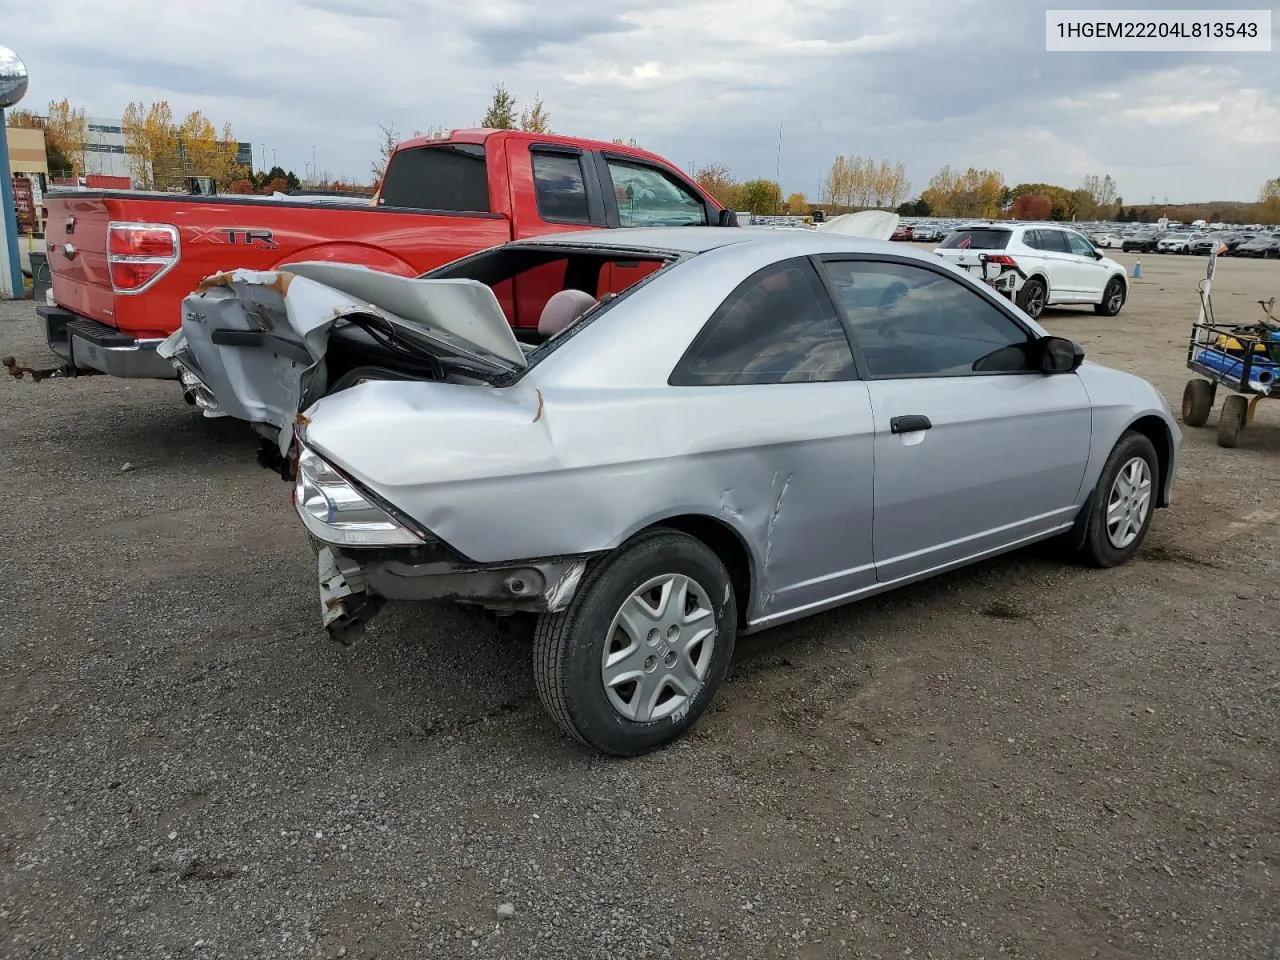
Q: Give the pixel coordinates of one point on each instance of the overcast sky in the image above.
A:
(928, 82)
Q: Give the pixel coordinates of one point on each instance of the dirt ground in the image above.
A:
(1023, 759)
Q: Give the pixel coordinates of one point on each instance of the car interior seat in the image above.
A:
(562, 309)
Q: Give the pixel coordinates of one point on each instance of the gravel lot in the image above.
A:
(1023, 759)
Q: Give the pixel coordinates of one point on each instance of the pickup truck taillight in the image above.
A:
(138, 254)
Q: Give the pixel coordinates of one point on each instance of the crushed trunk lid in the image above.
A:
(252, 342)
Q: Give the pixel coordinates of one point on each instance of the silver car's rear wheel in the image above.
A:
(659, 648)
(1129, 503)
(643, 647)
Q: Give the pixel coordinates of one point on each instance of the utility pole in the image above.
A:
(13, 85)
(777, 176)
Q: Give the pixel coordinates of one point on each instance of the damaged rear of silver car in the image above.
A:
(255, 345)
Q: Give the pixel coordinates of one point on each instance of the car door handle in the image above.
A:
(910, 423)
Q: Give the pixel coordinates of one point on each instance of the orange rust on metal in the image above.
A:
(280, 284)
(538, 415)
(17, 370)
(217, 280)
(303, 419)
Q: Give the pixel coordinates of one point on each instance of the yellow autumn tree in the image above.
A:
(797, 204)
(716, 179)
(858, 181)
(536, 119)
(67, 129)
(974, 193)
(163, 154)
(151, 143)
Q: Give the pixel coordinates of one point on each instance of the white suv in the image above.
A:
(1038, 265)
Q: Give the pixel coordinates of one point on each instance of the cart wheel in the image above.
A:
(1197, 401)
(1231, 420)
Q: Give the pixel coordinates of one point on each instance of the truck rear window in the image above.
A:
(977, 238)
(450, 176)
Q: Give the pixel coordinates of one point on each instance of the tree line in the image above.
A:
(163, 151)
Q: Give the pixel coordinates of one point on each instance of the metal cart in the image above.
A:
(1243, 358)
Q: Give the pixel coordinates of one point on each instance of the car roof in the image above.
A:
(693, 240)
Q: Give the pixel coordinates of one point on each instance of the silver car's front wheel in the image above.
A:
(659, 648)
(1129, 503)
(642, 648)
(1119, 511)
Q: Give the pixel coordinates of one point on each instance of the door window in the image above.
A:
(1079, 245)
(647, 197)
(778, 326)
(909, 321)
(559, 187)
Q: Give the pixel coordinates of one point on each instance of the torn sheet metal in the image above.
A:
(255, 341)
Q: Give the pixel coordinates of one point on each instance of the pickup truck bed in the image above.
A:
(122, 261)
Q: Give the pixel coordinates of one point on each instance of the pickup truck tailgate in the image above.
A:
(76, 243)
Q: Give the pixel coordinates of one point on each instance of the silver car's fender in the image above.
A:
(1122, 401)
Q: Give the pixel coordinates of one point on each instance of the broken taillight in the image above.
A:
(138, 254)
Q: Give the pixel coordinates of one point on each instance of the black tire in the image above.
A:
(1033, 297)
(1231, 420)
(1197, 401)
(1113, 297)
(1097, 549)
(569, 647)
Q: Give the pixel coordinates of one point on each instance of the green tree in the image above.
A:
(760, 196)
(501, 114)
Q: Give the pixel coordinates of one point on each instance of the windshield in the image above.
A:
(977, 238)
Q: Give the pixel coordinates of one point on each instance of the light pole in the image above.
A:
(13, 84)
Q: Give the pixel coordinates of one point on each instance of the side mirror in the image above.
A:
(728, 218)
(1097, 254)
(1060, 355)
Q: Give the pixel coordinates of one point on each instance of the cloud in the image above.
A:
(963, 83)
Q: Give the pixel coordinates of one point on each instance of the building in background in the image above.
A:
(104, 152)
(26, 151)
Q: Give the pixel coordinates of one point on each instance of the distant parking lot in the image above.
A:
(1021, 759)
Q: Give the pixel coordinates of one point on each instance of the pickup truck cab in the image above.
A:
(122, 261)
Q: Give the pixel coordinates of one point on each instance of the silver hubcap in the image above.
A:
(1129, 502)
(1117, 300)
(659, 648)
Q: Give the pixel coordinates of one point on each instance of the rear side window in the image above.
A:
(778, 326)
(450, 176)
(1054, 241)
(977, 238)
(558, 185)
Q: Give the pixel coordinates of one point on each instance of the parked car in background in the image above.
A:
(1202, 246)
(793, 473)
(126, 259)
(1173, 243)
(1141, 243)
(903, 234)
(1234, 241)
(1106, 240)
(1262, 246)
(926, 233)
(1039, 266)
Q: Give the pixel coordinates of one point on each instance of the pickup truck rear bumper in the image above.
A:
(87, 344)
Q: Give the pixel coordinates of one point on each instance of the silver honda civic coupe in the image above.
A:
(711, 432)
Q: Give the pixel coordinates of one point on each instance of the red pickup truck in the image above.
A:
(122, 262)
